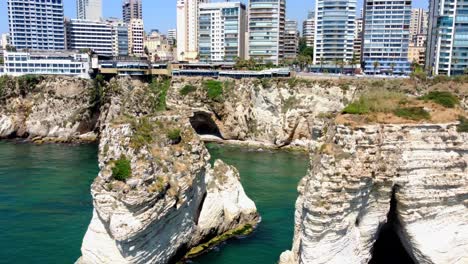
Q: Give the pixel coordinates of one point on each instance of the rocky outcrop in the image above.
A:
(278, 112)
(46, 107)
(346, 196)
(172, 201)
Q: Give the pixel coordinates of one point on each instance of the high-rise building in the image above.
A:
(87, 34)
(418, 23)
(386, 36)
(119, 32)
(132, 9)
(221, 31)
(89, 9)
(172, 36)
(36, 24)
(266, 30)
(447, 44)
(334, 31)
(187, 29)
(358, 25)
(136, 34)
(291, 39)
(308, 30)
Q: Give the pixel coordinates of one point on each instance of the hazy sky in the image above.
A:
(161, 14)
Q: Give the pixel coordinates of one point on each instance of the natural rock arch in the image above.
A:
(389, 248)
(203, 124)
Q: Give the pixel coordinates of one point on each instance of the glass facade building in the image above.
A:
(221, 33)
(447, 49)
(47, 62)
(334, 30)
(36, 24)
(386, 36)
(266, 30)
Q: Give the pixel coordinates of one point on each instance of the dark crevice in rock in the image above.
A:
(204, 124)
(200, 207)
(388, 248)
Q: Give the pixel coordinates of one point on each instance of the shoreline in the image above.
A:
(257, 145)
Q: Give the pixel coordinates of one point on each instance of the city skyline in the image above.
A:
(165, 17)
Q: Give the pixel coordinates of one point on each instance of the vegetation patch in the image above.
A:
(443, 98)
(376, 100)
(159, 87)
(27, 83)
(290, 103)
(240, 231)
(122, 169)
(142, 132)
(214, 89)
(463, 126)
(187, 89)
(412, 113)
(174, 135)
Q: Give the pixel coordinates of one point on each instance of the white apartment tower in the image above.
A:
(334, 31)
(89, 9)
(187, 29)
(87, 34)
(136, 37)
(418, 23)
(266, 30)
(221, 31)
(308, 30)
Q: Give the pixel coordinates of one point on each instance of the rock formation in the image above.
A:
(46, 107)
(346, 196)
(173, 200)
(278, 112)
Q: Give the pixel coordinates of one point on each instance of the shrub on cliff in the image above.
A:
(142, 133)
(159, 88)
(122, 169)
(413, 113)
(463, 126)
(375, 100)
(443, 98)
(214, 89)
(174, 135)
(187, 89)
(27, 83)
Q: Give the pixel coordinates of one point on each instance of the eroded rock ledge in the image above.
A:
(173, 201)
(345, 198)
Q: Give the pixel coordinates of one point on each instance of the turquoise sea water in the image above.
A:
(45, 203)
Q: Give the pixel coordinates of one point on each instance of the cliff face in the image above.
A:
(346, 196)
(173, 201)
(46, 107)
(273, 111)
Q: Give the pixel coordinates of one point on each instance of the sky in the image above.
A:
(161, 14)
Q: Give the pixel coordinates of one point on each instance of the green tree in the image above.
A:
(376, 65)
(392, 67)
(354, 61)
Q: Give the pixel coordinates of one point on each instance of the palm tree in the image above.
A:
(321, 64)
(342, 63)
(392, 66)
(354, 61)
(376, 66)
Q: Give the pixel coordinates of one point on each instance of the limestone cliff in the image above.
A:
(46, 107)
(273, 111)
(346, 196)
(172, 201)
